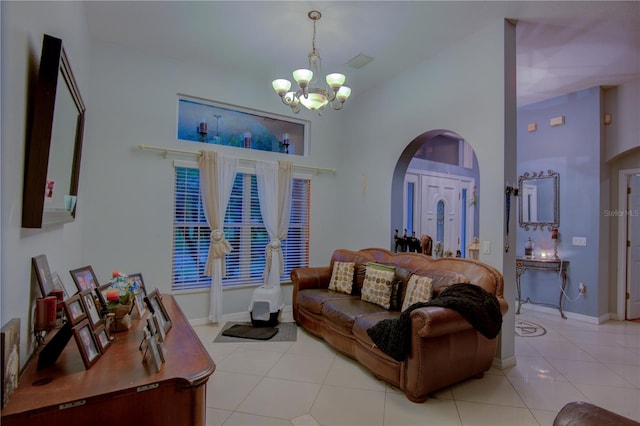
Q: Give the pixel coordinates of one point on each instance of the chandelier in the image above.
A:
(313, 97)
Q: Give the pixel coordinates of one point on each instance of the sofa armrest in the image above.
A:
(316, 277)
(307, 278)
(580, 413)
(504, 306)
(434, 321)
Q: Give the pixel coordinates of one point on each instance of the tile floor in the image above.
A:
(306, 383)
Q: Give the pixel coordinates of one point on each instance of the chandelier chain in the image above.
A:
(313, 41)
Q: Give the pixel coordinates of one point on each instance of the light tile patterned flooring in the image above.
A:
(307, 383)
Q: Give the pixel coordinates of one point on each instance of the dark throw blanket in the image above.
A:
(479, 307)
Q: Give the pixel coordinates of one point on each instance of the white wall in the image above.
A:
(128, 221)
(623, 103)
(23, 25)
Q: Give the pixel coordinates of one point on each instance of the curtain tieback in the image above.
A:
(273, 246)
(219, 246)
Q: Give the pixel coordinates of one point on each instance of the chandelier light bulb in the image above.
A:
(343, 94)
(302, 76)
(281, 86)
(314, 101)
(335, 80)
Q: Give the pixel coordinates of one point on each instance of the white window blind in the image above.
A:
(243, 229)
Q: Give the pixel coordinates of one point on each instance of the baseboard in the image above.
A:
(501, 364)
(569, 315)
(285, 316)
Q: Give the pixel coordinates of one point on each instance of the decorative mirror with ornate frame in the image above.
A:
(54, 141)
(539, 202)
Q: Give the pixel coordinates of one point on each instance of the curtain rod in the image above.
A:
(166, 151)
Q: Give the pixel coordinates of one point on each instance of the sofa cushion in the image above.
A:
(418, 290)
(342, 277)
(376, 287)
(442, 278)
(365, 322)
(313, 299)
(341, 313)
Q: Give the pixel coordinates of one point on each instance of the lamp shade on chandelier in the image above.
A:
(311, 96)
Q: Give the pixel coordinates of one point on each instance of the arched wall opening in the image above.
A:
(437, 170)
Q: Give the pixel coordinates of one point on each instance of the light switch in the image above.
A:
(486, 247)
(557, 121)
(579, 241)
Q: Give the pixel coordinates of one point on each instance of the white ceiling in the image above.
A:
(561, 46)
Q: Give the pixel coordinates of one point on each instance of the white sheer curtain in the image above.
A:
(217, 174)
(274, 191)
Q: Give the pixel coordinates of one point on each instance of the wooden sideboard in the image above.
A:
(119, 389)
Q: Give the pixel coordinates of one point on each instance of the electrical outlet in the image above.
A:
(582, 289)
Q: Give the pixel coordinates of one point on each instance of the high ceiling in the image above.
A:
(561, 46)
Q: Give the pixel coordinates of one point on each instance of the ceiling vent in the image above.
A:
(359, 61)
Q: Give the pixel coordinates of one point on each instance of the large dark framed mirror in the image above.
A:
(54, 142)
(539, 195)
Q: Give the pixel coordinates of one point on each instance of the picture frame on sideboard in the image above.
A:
(10, 353)
(102, 337)
(153, 360)
(154, 303)
(88, 298)
(137, 277)
(87, 343)
(74, 309)
(84, 278)
(43, 274)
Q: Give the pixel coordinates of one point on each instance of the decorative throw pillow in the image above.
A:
(376, 287)
(342, 277)
(418, 290)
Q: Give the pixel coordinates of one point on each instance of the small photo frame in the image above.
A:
(161, 334)
(154, 360)
(10, 353)
(137, 277)
(154, 303)
(75, 310)
(84, 278)
(92, 310)
(102, 337)
(58, 285)
(151, 326)
(101, 292)
(43, 274)
(87, 343)
(140, 305)
(162, 350)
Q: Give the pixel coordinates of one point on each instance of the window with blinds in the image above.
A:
(243, 229)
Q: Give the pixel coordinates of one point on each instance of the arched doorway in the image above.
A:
(435, 192)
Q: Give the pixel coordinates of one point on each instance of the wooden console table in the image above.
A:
(558, 266)
(119, 389)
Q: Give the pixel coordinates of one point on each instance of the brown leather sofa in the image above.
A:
(445, 347)
(580, 413)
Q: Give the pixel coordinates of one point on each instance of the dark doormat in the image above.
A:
(250, 332)
(245, 331)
